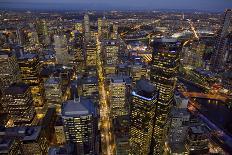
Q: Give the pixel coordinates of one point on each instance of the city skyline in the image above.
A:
(205, 5)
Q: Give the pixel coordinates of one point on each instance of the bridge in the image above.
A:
(205, 96)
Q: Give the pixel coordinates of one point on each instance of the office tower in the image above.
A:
(121, 126)
(218, 58)
(99, 27)
(9, 146)
(164, 72)
(142, 113)
(42, 31)
(59, 131)
(61, 48)
(79, 27)
(33, 140)
(80, 124)
(138, 70)
(18, 102)
(89, 88)
(117, 97)
(197, 140)
(114, 34)
(87, 28)
(53, 92)
(105, 34)
(9, 69)
(91, 54)
(179, 124)
(110, 56)
(30, 72)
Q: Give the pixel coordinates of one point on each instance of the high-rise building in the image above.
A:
(114, 34)
(9, 69)
(117, 97)
(89, 88)
(30, 72)
(80, 125)
(53, 92)
(138, 70)
(218, 58)
(99, 24)
(42, 31)
(142, 113)
(61, 48)
(91, 54)
(110, 56)
(121, 135)
(103, 29)
(197, 140)
(18, 102)
(87, 28)
(164, 71)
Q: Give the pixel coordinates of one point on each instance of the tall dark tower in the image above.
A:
(219, 57)
(164, 71)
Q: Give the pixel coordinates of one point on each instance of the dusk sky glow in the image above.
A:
(211, 5)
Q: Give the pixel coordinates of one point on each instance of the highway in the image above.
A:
(106, 135)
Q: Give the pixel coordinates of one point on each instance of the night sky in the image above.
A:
(208, 5)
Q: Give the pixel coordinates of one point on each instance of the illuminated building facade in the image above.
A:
(30, 72)
(138, 70)
(197, 141)
(164, 72)
(142, 113)
(9, 69)
(89, 88)
(91, 54)
(117, 97)
(61, 48)
(42, 31)
(110, 56)
(80, 124)
(87, 28)
(18, 102)
(53, 92)
(219, 57)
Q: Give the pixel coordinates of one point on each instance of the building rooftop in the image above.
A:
(17, 88)
(117, 79)
(166, 40)
(197, 130)
(90, 80)
(28, 56)
(5, 145)
(78, 107)
(53, 80)
(144, 89)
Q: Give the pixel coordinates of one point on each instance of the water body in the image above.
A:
(216, 111)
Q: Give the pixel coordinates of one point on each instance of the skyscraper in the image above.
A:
(91, 54)
(142, 113)
(18, 102)
(53, 92)
(80, 124)
(117, 97)
(60, 43)
(110, 56)
(164, 71)
(42, 31)
(30, 72)
(9, 69)
(86, 28)
(219, 57)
